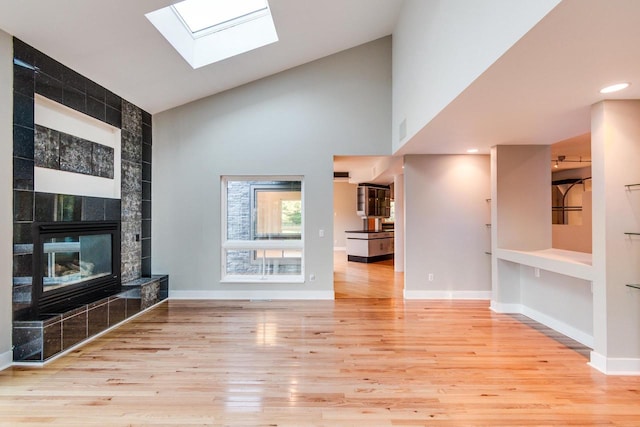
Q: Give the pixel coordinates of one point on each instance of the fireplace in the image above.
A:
(74, 263)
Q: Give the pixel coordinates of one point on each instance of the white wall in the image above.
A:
(292, 123)
(344, 212)
(441, 46)
(6, 195)
(446, 213)
(615, 132)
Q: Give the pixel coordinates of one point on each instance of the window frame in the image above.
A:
(261, 244)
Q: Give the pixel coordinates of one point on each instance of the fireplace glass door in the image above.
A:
(74, 258)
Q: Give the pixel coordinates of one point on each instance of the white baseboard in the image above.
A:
(424, 294)
(6, 359)
(252, 295)
(615, 365)
(550, 322)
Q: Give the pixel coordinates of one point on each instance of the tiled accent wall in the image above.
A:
(36, 73)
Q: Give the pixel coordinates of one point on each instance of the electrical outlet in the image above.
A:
(430, 277)
(536, 272)
(312, 277)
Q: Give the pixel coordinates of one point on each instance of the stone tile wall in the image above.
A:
(37, 73)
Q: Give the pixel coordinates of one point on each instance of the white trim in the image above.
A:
(559, 326)
(615, 365)
(546, 320)
(6, 359)
(423, 294)
(252, 295)
(499, 307)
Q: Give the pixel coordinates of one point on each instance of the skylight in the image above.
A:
(199, 15)
(207, 31)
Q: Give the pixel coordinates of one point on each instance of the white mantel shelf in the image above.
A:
(569, 263)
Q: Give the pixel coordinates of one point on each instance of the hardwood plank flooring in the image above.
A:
(361, 280)
(376, 362)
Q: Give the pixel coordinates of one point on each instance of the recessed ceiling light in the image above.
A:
(472, 150)
(614, 88)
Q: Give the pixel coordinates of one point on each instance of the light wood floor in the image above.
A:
(360, 280)
(348, 362)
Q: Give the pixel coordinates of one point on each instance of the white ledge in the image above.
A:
(569, 263)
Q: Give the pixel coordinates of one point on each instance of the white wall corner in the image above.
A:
(615, 365)
(6, 359)
(449, 295)
(267, 294)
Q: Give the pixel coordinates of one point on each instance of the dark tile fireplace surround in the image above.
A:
(39, 335)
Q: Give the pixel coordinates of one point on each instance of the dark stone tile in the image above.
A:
(74, 329)
(146, 266)
(23, 206)
(22, 110)
(45, 208)
(146, 209)
(48, 65)
(74, 80)
(112, 210)
(23, 80)
(22, 294)
(113, 117)
(134, 305)
(23, 265)
(22, 174)
(113, 100)
(131, 146)
(146, 171)
(117, 310)
(49, 87)
(149, 294)
(147, 136)
(93, 209)
(131, 177)
(95, 91)
(98, 319)
(130, 240)
(23, 51)
(146, 191)
(146, 118)
(75, 99)
(69, 208)
(27, 344)
(146, 228)
(23, 140)
(52, 344)
(131, 118)
(131, 265)
(47, 148)
(96, 108)
(131, 207)
(102, 161)
(146, 153)
(75, 154)
(22, 233)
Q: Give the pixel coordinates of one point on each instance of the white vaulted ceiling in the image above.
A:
(112, 43)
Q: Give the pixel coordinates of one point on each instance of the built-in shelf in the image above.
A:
(488, 200)
(630, 186)
(569, 263)
(632, 234)
(633, 285)
(488, 253)
(487, 225)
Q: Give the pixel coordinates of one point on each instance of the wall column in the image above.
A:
(398, 227)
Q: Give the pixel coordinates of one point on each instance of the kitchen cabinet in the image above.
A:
(369, 246)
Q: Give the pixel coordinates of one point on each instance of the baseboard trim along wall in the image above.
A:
(422, 294)
(614, 365)
(564, 328)
(252, 295)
